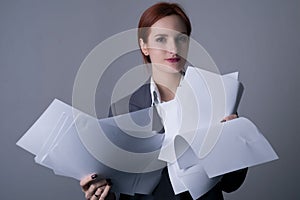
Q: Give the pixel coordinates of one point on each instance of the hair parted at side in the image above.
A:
(155, 13)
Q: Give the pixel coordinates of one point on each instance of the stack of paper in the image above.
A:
(196, 147)
(74, 144)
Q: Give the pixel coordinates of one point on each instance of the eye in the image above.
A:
(161, 39)
(182, 38)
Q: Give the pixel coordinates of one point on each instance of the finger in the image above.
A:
(99, 191)
(95, 197)
(97, 194)
(84, 183)
(105, 192)
(230, 117)
(90, 192)
(93, 188)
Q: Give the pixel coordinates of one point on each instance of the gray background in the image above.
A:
(42, 44)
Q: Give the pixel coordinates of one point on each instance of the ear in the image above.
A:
(144, 47)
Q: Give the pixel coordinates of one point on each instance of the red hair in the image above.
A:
(155, 13)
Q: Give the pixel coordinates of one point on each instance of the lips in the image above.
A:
(173, 60)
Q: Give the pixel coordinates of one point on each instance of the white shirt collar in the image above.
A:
(154, 89)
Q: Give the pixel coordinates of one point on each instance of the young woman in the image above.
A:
(164, 31)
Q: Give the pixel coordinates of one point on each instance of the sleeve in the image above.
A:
(233, 180)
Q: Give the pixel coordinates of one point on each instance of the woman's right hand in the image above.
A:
(95, 188)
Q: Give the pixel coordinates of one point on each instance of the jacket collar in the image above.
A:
(141, 98)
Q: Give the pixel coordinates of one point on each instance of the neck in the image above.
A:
(167, 83)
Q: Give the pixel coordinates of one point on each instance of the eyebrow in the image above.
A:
(160, 35)
(165, 35)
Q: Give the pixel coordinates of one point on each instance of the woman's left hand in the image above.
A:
(230, 117)
(96, 188)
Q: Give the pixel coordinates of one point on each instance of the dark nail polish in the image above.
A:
(94, 176)
(223, 121)
(109, 182)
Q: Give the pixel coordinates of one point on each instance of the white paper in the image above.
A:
(195, 108)
(248, 148)
(196, 180)
(196, 147)
(75, 145)
(35, 137)
(176, 182)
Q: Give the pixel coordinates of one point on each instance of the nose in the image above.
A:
(173, 47)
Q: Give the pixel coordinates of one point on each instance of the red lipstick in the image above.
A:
(173, 60)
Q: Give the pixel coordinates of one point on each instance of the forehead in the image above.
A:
(168, 24)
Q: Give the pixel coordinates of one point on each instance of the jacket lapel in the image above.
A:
(140, 99)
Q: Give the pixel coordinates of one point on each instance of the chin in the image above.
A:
(176, 68)
(170, 68)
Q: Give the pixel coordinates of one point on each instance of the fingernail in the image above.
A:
(109, 182)
(223, 121)
(94, 176)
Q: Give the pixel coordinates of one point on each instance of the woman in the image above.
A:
(164, 47)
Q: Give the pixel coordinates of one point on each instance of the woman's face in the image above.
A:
(167, 44)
